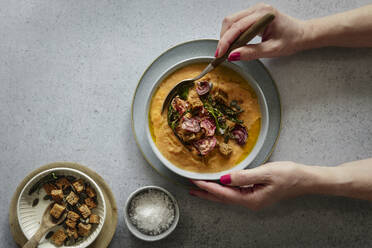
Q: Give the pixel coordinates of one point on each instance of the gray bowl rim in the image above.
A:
(263, 75)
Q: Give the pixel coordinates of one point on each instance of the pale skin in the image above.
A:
(265, 185)
(287, 35)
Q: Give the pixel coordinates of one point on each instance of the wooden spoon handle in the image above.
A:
(35, 240)
(246, 36)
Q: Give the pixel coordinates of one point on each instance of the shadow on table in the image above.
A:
(310, 221)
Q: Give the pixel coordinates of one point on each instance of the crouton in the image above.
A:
(48, 187)
(94, 219)
(63, 183)
(84, 229)
(72, 232)
(90, 203)
(186, 135)
(85, 211)
(71, 215)
(57, 195)
(57, 210)
(225, 149)
(72, 198)
(193, 99)
(90, 192)
(70, 223)
(78, 185)
(59, 237)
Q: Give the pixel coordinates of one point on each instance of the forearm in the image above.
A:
(348, 29)
(352, 179)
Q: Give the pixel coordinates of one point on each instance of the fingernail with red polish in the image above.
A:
(234, 56)
(192, 193)
(216, 53)
(225, 179)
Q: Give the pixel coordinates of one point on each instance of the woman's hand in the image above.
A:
(269, 183)
(258, 187)
(287, 35)
(284, 36)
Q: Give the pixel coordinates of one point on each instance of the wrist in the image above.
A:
(324, 180)
(312, 37)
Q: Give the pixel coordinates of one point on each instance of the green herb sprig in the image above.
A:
(47, 179)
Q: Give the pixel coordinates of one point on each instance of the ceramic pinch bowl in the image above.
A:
(132, 227)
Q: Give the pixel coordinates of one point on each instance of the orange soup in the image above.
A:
(236, 90)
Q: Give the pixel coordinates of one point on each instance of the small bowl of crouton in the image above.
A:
(74, 195)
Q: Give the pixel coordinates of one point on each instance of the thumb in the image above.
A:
(266, 49)
(258, 175)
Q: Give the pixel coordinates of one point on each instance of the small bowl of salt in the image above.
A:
(151, 213)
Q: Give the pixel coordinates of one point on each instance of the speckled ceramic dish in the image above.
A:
(202, 51)
(29, 217)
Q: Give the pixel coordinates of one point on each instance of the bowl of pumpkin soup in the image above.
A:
(216, 126)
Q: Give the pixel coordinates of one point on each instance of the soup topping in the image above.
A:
(196, 115)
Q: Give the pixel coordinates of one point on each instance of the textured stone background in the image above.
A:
(68, 70)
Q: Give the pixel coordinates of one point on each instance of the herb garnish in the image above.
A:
(217, 115)
(219, 110)
(183, 92)
(47, 179)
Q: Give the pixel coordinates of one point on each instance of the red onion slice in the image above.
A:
(190, 124)
(240, 134)
(205, 145)
(208, 125)
(179, 105)
(202, 88)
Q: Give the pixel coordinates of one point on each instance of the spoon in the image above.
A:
(240, 41)
(46, 224)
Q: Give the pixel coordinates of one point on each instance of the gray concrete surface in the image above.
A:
(68, 70)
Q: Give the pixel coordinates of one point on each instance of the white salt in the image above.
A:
(152, 212)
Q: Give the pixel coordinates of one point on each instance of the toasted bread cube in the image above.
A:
(94, 219)
(57, 195)
(72, 232)
(48, 187)
(193, 99)
(85, 211)
(63, 183)
(70, 223)
(59, 237)
(78, 185)
(90, 192)
(225, 149)
(84, 229)
(71, 215)
(72, 198)
(57, 210)
(90, 203)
